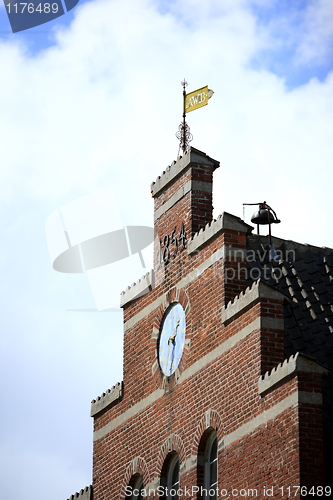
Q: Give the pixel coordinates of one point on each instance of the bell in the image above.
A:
(264, 216)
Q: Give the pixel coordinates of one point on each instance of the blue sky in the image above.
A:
(288, 23)
(291, 23)
(91, 102)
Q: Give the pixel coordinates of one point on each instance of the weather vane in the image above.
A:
(191, 101)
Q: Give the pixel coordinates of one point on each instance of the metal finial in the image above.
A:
(184, 135)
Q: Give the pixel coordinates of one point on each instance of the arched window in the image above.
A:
(135, 487)
(207, 466)
(170, 477)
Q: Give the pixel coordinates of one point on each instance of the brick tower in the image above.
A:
(209, 406)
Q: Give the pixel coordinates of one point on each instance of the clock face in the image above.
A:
(172, 339)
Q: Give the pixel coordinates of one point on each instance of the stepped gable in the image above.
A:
(176, 168)
(305, 274)
(168, 168)
(248, 296)
(84, 494)
(135, 283)
(296, 363)
(215, 227)
(242, 294)
(205, 234)
(251, 288)
(108, 398)
(138, 288)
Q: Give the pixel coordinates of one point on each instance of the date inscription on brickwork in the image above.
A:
(171, 244)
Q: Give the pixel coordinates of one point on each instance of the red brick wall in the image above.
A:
(195, 208)
(264, 455)
(228, 386)
(272, 339)
(311, 433)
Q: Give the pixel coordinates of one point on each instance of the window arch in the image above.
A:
(135, 487)
(207, 466)
(170, 477)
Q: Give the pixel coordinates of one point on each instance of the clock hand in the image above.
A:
(167, 360)
(173, 337)
(173, 340)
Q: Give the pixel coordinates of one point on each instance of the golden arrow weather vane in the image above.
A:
(191, 101)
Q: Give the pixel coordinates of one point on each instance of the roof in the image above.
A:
(305, 274)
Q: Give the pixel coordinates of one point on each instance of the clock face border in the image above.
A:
(172, 338)
(172, 296)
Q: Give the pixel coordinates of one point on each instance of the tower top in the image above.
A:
(177, 168)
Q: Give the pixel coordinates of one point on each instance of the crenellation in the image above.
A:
(169, 167)
(178, 167)
(108, 398)
(296, 363)
(139, 288)
(216, 227)
(84, 494)
(246, 298)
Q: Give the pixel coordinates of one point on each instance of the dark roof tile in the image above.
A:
(300, 345)
(307, 278)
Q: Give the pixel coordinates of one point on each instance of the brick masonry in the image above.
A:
(267, 439)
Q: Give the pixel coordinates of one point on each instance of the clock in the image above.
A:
(172, 339)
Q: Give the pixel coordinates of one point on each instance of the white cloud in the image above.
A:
(317, 42)
(298, 37)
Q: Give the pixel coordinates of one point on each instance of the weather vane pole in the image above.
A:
(184, 84)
